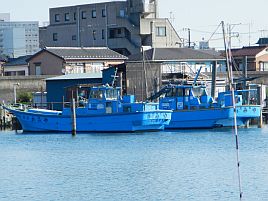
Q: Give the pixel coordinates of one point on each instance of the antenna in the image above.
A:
(171, 17)
(263, 32)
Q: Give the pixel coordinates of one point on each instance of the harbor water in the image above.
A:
(155, 166)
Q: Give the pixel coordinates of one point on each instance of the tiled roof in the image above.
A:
(262, 41)
(17, 61)
(3, 58)
(76, 76)
(247, 51)
(96, 53)
(177, 54)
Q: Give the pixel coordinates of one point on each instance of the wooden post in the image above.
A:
(247, 124)
(245, 71)
(260, 121)
(259, 101)
(4, 119)
(213, 84)
(73, 117)
(41, 101)
(1, 117)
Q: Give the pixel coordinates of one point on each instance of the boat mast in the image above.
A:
(231, 86)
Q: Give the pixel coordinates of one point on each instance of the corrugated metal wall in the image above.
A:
(137, 78)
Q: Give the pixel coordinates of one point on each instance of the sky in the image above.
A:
(247, 18)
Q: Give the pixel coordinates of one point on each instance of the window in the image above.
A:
(83, 14)
(20, 72)
(74, 16)
(94, 34)
(103, 34)
(73, 37)
(160, 31)
(57, 17)
(93, 14)
(55, 36)
(103, 12)
(38, 69)
(119, 31)
(112, 33)
(122, 13)
(67, 17)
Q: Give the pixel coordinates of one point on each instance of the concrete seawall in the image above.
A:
(26, 84)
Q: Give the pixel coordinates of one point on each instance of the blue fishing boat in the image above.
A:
(102, 111)
(194, 108)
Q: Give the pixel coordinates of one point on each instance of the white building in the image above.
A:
(19, 38)
(4, 17)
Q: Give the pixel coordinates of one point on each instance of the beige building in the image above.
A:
(256, 58)
(69, 60)
(123, 26)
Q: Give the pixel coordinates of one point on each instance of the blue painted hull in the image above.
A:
(212, 117)
(118, 122)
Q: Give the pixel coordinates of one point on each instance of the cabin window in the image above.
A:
(126, 108)
(111, 94)
(187, 92)
(109, 108)
(197, 91)
(179, 92)
(171, 93)
(96, 94)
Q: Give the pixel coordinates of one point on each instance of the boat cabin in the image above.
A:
(180, 97)
(186, 97)
(106, 100)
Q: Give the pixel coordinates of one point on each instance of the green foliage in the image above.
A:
(25, 97)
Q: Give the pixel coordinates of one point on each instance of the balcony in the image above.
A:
(149, 8)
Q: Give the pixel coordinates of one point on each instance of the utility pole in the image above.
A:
(231, 27)
(189, 38)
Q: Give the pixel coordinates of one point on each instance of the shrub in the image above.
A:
(25, 97)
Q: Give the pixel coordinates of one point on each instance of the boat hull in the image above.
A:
(119, 122)
(212, 117)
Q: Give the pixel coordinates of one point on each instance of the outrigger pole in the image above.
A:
(231, 85)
